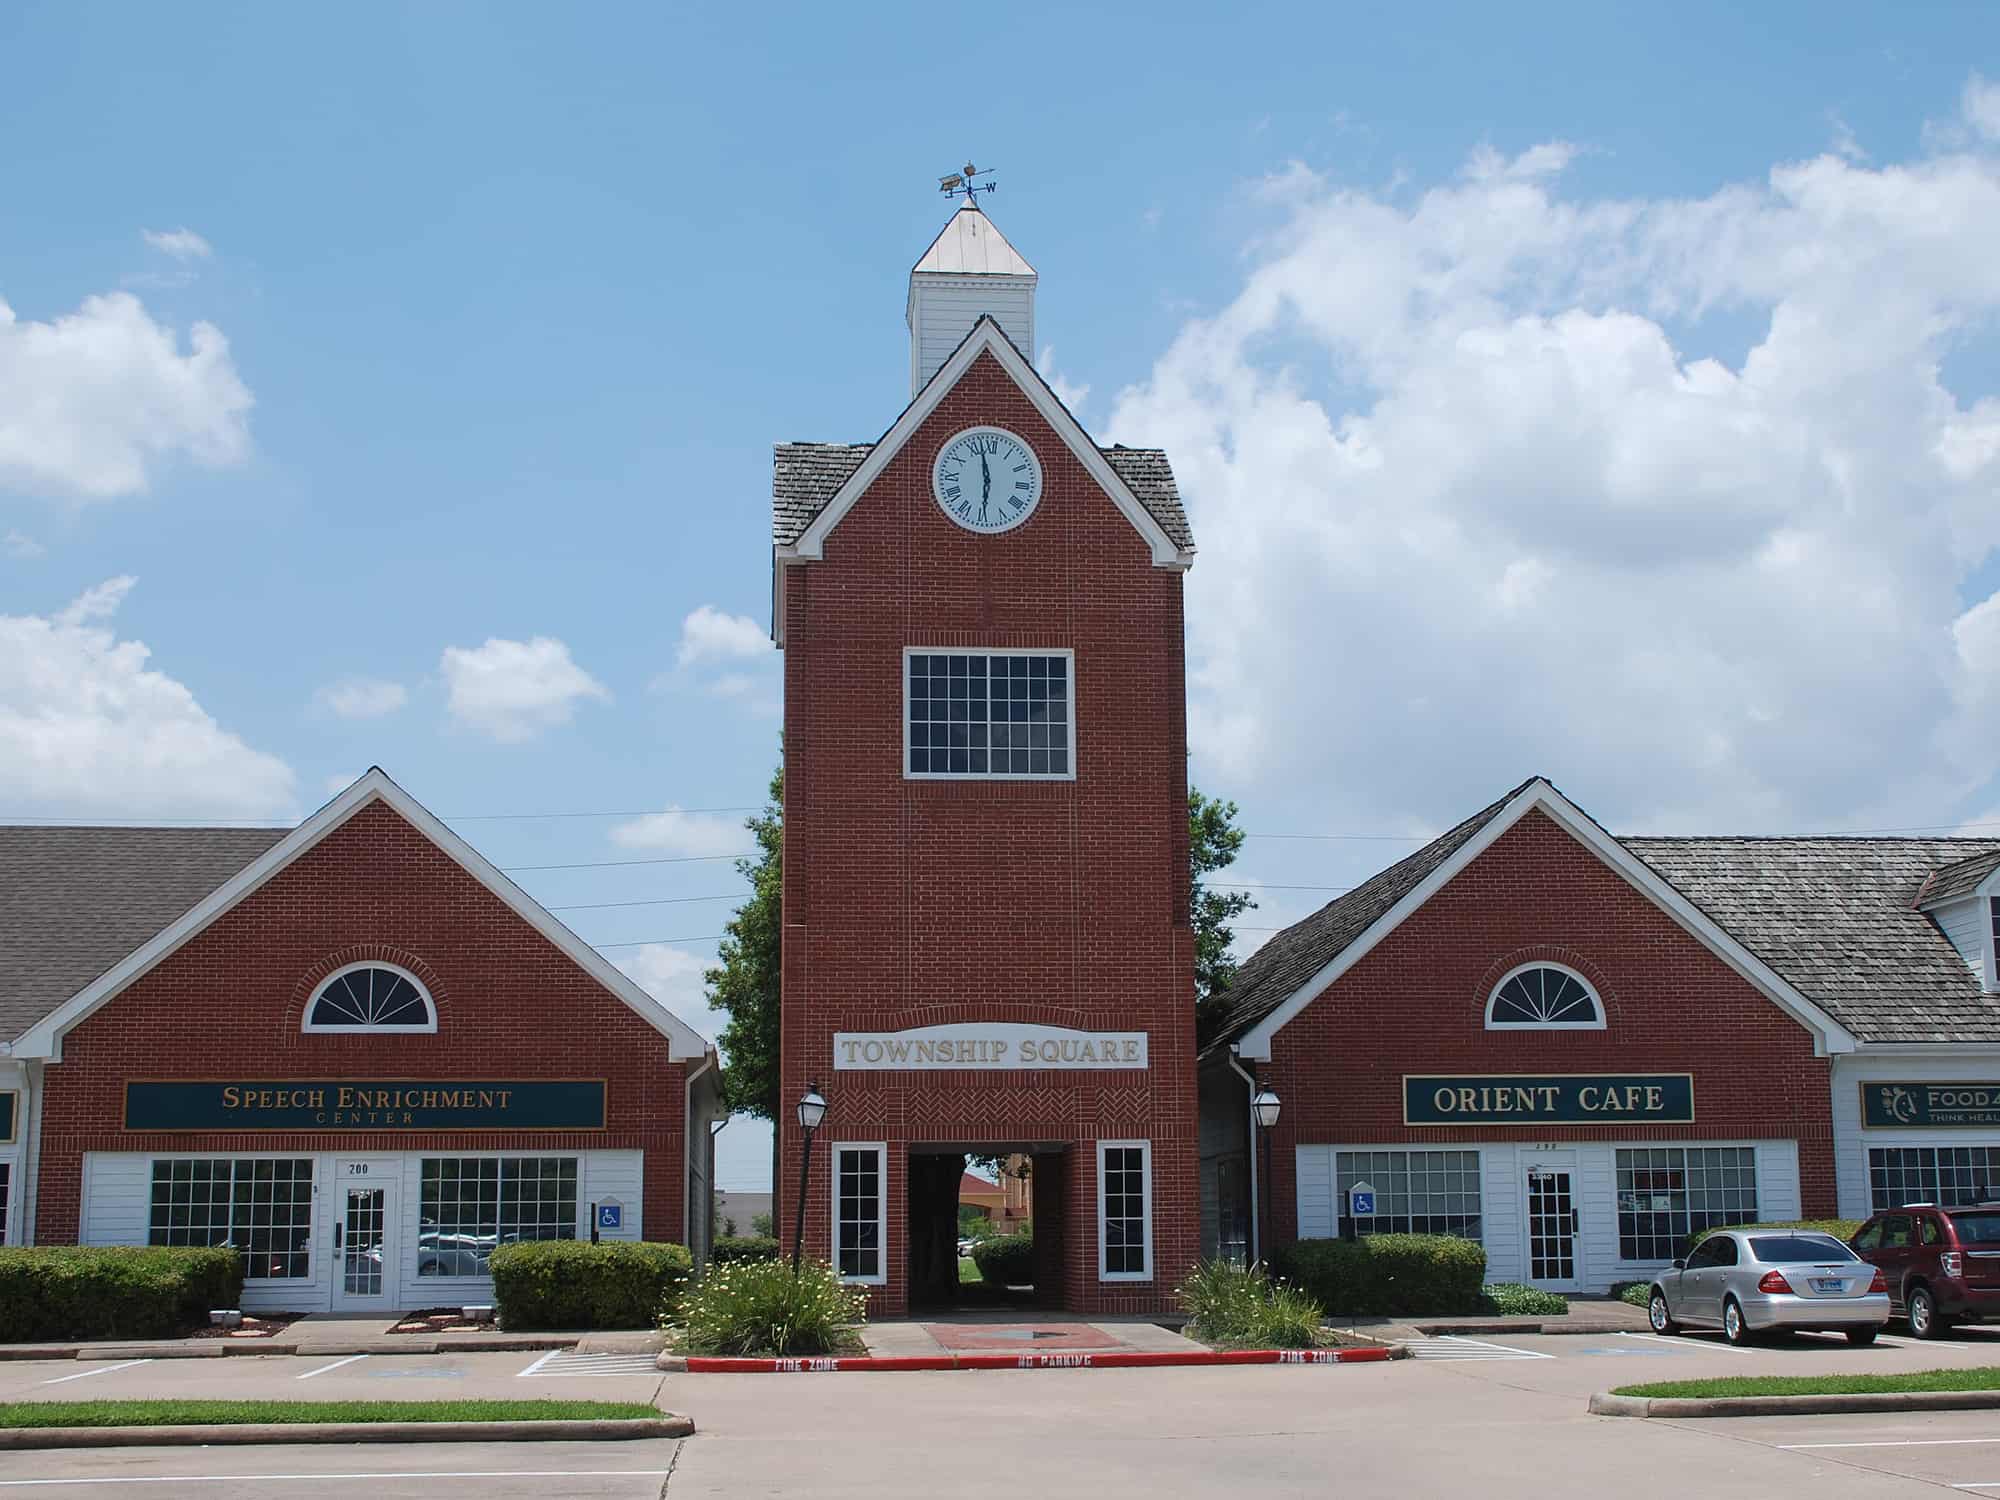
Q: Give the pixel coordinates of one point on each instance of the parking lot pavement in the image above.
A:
(561, 1374)
(444, 1471)
(1957, 1450)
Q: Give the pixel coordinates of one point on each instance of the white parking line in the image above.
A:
(412, 1474)
(334, 1366)
(1457, 1346)
(542, 1361)
(1896, 1443)
(1884, 1338)
(100, 1370)
(1686, 1343)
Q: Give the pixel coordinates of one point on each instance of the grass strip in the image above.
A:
(186, 1413)
(1983, 1379)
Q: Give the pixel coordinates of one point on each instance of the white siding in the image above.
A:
(1964, 922)
(1317, 1220)
(944, 308)
(1851, 1141)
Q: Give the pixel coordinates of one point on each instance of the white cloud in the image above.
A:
(362, 697)
(181, 244)
(675, 831)
(19, 545)
(673, 976)
(91, 401)
(708, 634)
(1980, 105)
(87, 729)
(513, 690)
(1071, 396)
(1669, 499)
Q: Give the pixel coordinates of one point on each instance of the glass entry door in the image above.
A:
(365, 1235)
(1553, 1228)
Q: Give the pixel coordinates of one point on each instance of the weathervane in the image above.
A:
(961, 185)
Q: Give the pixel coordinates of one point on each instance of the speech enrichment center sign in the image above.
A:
(987, 1046)
(1550, 1099)
(358, 1104)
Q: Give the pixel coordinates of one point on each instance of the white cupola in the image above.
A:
(970, 270)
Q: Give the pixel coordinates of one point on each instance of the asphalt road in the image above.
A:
(1496, 1417)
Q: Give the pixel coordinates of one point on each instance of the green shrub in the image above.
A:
(1387, 1275)
(1006, 1260)
(746, 1247)
(1234, 1307)
(760, 1307)
(1840, 1229)
(575, 1284)
(1638, 1294)
(1516, 1299)
(90, 1292)
(761, 1226)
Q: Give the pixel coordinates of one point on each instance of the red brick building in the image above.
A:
(1578, 1048)
(354, 1049)
(986, 942)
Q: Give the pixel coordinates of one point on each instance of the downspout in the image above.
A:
(1250, 1150)
(708, 1063)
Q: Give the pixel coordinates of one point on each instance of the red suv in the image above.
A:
(1942, 1264)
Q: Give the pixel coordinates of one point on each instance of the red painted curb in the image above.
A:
(1135, 1359)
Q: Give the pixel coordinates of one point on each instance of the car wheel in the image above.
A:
(1657, 1314)
(1862, 1336)
(1733, 1327)
(1924, 1320)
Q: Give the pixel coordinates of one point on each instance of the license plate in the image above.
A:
(1828, 1284)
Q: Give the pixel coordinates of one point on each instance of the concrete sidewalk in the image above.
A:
(1586, 1315)
(345, 1336)
(958, 1334)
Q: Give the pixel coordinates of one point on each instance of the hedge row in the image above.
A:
(573, 1284)
(726, 1251)
(1387, 1275)
(94, 1292)
(1006, 1260)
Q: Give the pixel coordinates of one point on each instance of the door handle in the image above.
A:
(1574, 1224)
(336, 1234)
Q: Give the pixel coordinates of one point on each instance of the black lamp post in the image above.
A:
(812, 1110)
(1265, 1107)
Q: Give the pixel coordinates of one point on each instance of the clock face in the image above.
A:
(987, 480)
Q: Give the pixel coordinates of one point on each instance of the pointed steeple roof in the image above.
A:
(971, 245)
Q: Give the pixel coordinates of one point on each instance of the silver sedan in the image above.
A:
(1751, 1281)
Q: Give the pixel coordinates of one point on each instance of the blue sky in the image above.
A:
(1604, 391)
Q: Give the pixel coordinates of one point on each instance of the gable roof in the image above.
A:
(42, 1037)
(1837, 917)
(805, 476)
(73, 901)
(795, 488)
(1320, 949)
(970, 244)
(1958, 879)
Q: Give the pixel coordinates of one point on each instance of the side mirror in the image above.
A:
(1680, 1265)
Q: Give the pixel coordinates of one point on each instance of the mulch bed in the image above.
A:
(440, 1320)
(255, 1326)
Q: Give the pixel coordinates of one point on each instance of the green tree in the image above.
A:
(1213, 842)
(744, 984)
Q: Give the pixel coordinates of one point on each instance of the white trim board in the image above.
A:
(1829, 1036)
(44, 1038)
(986, 336)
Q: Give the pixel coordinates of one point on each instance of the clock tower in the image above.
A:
(987, 950)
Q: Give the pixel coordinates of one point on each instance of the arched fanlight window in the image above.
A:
(371, 997)
(1544, 997)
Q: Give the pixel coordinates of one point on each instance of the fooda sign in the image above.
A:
(1549, 1099)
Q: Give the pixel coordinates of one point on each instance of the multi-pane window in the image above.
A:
(1949, 1176)
(6, 1185)
(260, 1205)
(1543, 997)
(857, 1212)
(1416, 1192)
(989, 713)
(371, 997)
(471, 1204)
(1123, 1214)
(1666, 1193)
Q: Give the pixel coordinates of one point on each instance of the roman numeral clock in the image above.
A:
(987, 480)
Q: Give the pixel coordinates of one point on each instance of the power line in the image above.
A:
(660, 901)
(714, 937)
(607, 864)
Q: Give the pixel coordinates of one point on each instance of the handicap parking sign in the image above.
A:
(610, 1215)
(1361, 1201)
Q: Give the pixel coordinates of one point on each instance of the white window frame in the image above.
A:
(314, 1250)
(1064, 652)
(1145, 1148)
(881, 1150)
(412, 1174)
(429, 1026)
(1589, 989)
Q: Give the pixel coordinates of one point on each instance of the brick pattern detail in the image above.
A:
(1417, 1004)
(914, 903)
(229, 1004)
